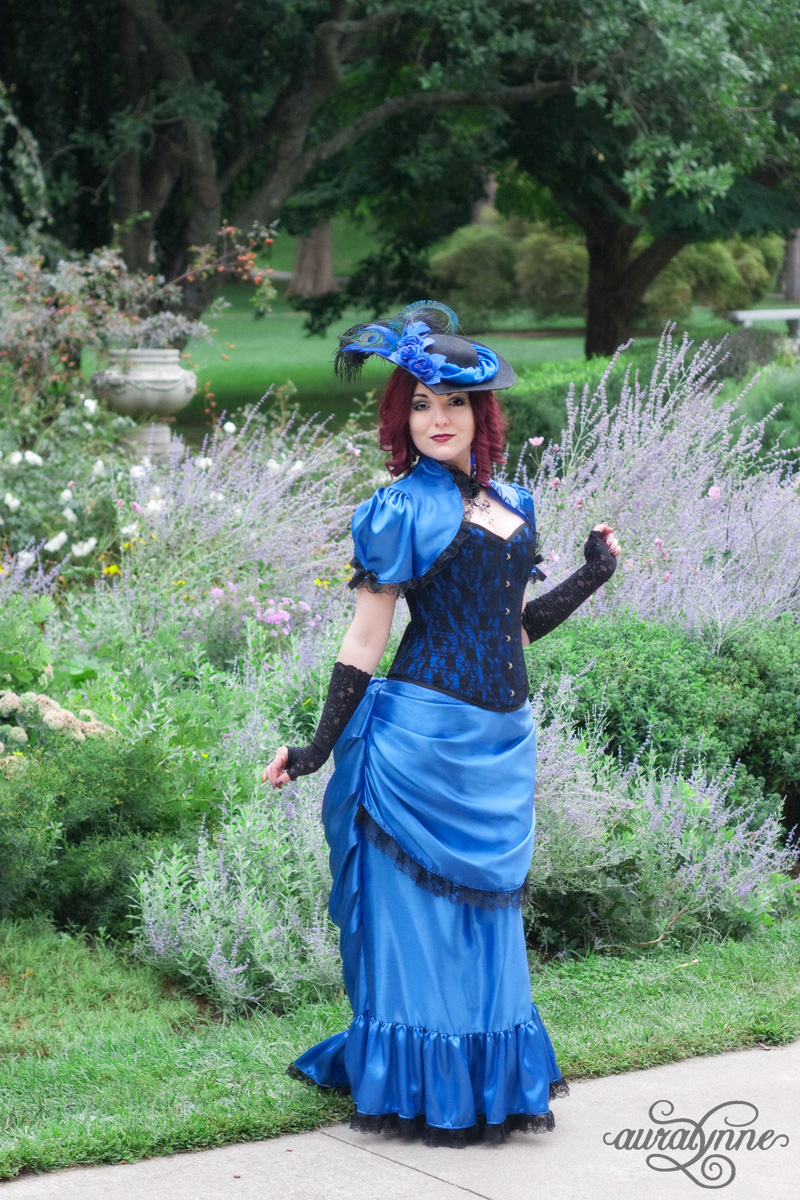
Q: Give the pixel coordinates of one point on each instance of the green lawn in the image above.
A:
(100, 1061)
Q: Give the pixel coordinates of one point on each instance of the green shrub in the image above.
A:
(747, 348)
(29, 836)
(661, 688)
(110, 806)
(474, 272)
(734, 273)
(536, 406)
(25, 659)
(553, 273)
(776, 385)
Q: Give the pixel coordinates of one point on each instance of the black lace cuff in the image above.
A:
(345, 692)
(459, 893)
(545, 613)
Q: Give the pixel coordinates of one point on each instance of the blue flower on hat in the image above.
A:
(411, 353)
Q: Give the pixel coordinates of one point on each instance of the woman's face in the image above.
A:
(442, 427)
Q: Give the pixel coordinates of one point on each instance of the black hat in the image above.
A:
(423, 339)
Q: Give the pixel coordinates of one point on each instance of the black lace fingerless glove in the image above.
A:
(345, 691)
(542, 615)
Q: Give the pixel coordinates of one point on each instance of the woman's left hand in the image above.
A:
(606, 532)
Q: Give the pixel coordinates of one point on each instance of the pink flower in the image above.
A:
(120, 503)
(579, 502)
(535, 441)
(667, 576)
(715, 492)
(137, 508)
(658, 542)
(555, 483)
(216, 594)
(554, 557)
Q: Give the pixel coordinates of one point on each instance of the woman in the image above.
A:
(429, 814)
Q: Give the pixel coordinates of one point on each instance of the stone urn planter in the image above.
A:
(146, 382)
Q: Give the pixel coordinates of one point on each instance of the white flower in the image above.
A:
(69, 515)
(82, 549)
(16, 733)
(11, 502)
(139, 471)
(56, 542)
(296, 466)
(216, 497)
(34, 459)
(129, 530)
(65, 496)
(88, 426)
(25, 559)
(155, 492)
(203, 464)
(272, 465)
(14, 458)
(99, 468)
(90, 405)
(154, 506)
(229, 427)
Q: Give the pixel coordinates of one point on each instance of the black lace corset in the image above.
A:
(464, 636)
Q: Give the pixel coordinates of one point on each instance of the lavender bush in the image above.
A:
(625, 857)
(708, 520)
(244, 920)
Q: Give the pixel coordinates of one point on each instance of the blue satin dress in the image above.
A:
(430, 821)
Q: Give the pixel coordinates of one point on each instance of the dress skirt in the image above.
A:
(430, 822)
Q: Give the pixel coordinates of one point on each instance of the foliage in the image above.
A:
(49, 315)
(473, 271)
(25, 658)
(552, 273)
(775, 390)
(244, 920)
(660, 689)
(625, 857)
(108, 802)
(735, 273)
(23, 209)
(56, 494)
(744, 349)
(697, 501)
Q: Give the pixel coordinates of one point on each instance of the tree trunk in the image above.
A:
(791, 269)
(617, 283)
(313, 264)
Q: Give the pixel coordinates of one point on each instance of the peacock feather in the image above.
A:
(381, 337)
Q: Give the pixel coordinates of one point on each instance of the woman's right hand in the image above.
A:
(275, 772)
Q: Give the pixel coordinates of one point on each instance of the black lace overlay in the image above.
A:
(545, 613)
(417, 1128)
(345, 691)
(465, 634)
(429, 881)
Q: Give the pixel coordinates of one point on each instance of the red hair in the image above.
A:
(488, 444)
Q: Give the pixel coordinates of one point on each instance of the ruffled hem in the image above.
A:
(369, 579)
(467, 1086)
(418, 1129)
(429, 881)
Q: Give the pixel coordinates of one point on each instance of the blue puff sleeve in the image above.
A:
(383, 529)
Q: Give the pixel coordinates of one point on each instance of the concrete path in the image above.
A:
(574, 1163)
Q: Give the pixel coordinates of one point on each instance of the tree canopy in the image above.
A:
(158, 120)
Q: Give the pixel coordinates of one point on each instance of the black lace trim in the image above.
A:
(413, 1128)
(417, 1128)
(459, 893)
(369, 579)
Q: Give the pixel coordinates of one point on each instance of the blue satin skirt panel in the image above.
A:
(453, 784)
(443, 1021)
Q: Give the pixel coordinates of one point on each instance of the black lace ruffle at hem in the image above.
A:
(417, 1128)
(429, 881)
